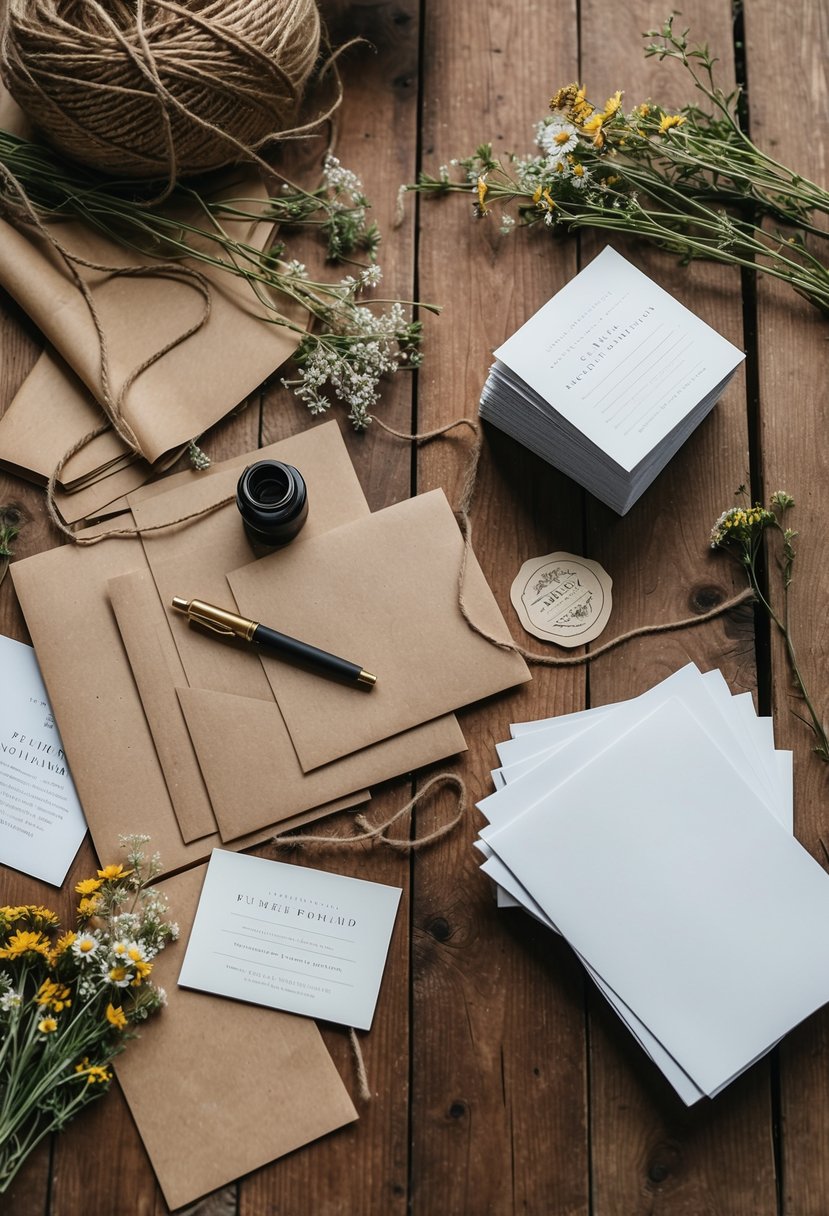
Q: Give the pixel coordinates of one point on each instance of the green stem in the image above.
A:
(816, 725)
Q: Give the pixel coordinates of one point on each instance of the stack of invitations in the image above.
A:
(608, 380)
(656, 836)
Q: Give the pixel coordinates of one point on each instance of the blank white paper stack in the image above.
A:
(661, 829)
(608, 379)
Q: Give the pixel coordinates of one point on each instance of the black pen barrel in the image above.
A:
(307, 656)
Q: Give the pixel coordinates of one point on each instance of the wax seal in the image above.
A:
(273, 501)
(562, 598)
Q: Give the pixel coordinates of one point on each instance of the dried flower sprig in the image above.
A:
(690, 181)
(355, 341)
(739, 531)
(10, 524)
(69, 1001)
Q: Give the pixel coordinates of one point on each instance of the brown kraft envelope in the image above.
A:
(240, 770)
(156, 670)
(114, 764)
(382, 593)
(248, 802)
(62, 593)
(192, 561)
(251, 1084)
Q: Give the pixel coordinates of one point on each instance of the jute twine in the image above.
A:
(155, 89)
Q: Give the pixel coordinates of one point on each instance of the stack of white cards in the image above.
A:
(608, 379)
(656, 836)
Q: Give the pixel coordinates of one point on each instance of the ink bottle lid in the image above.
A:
(273, 501)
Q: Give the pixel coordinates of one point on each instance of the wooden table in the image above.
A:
(502, 1082)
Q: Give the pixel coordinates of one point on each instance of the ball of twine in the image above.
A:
(154, 89)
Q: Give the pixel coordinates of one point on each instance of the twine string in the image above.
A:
(467, 495)
(160, 88)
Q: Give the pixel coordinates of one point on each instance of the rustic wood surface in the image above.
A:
(501, 1081)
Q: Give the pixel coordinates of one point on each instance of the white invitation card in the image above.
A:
(619, 358)
(41, 821)
(660, 847)
(304, 941)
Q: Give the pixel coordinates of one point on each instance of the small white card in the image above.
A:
(304, 941)
(41, 821)
(619, 358)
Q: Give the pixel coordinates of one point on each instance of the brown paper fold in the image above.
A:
(63, 595)
(383, 593)
(250, 1084)
(172, 401)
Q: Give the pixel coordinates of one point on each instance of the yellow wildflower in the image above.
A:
(53, 995)
(88, 886)
(119, 976)
(25, 941)
(612, 105)
(593, 127)
(63, 943)
(116, 1016)
(581, 108)
(668, 121)
(482, 189)
(578, 170)
(47, 1025)
(142, 970)
(563, 99)
(548, 199)
(92, 1072)
(537, 194)
(573, 101)
(38, 916)
(88, 906)
(109, 873)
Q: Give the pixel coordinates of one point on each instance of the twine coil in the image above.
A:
(156, 89)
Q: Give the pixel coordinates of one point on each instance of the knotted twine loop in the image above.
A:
(378, 833)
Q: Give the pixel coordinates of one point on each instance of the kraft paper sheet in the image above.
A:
(218, 1088)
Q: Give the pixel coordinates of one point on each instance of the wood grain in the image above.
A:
(499, 1068)
(793, 420)
(502, 1084)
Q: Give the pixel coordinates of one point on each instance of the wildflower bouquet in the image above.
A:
(691, 181)
(69, 1001)
(739, 531)
(355, 341)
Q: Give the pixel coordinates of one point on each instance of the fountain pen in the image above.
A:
(228, 625)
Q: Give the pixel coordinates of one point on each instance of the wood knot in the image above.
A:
(703, 599)
(665, 1162)
(457, 1110)
(439, 929)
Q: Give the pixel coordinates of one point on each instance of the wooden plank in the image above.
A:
(791, 56)
(499, 1082)
(649, 1153)
(363, 1168)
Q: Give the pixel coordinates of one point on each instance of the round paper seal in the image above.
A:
(562, 598)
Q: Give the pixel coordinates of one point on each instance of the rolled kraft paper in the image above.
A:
(157, 89)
